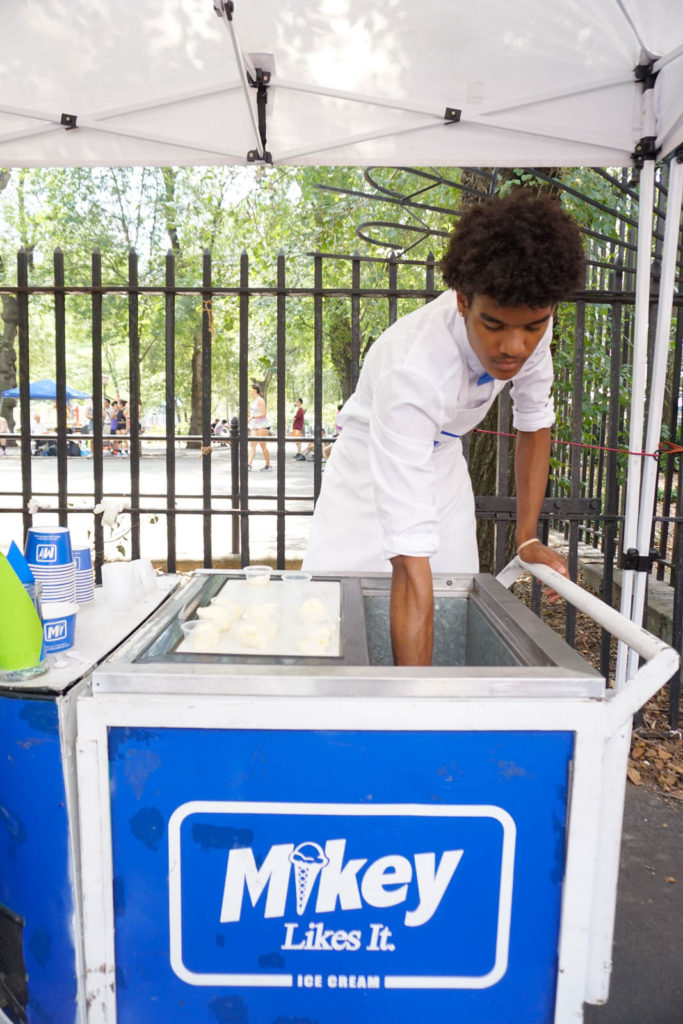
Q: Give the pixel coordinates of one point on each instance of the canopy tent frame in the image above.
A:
(647, 134)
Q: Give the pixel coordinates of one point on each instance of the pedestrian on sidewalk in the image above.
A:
(298, 428)
(259, 425)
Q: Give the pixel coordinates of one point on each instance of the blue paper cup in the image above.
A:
(83, 559)
(59, 625)
(49, 546)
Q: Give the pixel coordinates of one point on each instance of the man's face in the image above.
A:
(502, 337)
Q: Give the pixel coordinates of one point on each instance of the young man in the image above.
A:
(396, 493)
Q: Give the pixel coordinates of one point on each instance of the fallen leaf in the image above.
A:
(669, 879)
(634, 775)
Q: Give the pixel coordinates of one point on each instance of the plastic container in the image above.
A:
(258, 575)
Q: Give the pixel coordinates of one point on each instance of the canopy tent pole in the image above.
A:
(638, 385)
(224, 9)
(658, 386)
(645, 157)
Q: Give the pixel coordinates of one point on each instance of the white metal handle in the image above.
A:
(661, 660)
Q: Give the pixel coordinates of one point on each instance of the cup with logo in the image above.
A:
(50, 558)
(59, 625)
(85, 574)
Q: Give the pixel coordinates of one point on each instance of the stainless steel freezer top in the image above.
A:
(486, 643)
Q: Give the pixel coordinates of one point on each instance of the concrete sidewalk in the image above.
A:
(647, 976)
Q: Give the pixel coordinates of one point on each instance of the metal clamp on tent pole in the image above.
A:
(260, 83)
(646, 148)
(224, 7)
(632, 559)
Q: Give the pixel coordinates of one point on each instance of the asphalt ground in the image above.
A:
(154, 496)
(647, 974)
(647, 977)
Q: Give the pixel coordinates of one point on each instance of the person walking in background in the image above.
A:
(115, 446)
(298, 427)
(4, 429)
(121, 425)
(259, 425)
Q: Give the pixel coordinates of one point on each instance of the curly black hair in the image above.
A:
(521, 249)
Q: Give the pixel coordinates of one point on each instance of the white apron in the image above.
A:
(346, 532)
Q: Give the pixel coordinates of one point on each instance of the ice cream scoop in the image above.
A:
(221, 617)
(314, 610)
(316, 641)
(252, 635)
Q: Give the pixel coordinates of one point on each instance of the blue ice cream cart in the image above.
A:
(278, 836)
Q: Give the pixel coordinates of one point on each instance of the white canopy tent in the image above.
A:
(397, 82)
(440, 82)
(352, 82)
(540, 82)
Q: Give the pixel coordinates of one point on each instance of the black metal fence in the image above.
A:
(586, 495)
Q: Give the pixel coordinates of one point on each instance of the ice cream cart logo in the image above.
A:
(344, 884)
(308, 860)
(55, 630)
(46, 553)
(390, 895)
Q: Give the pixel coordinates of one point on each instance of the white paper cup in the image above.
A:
(146, 576)
(119, 584)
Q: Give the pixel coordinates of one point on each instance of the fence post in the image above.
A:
(170, 410)
(207, 340)
(23, 328)
(134, 400)
(60, 376)
(97, 408)
(235, 482)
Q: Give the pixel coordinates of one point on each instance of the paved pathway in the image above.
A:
(647, 978)
(298, 488)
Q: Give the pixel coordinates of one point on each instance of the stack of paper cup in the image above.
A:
(50, 559)
(85, 575)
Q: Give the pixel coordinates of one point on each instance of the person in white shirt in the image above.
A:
(396, 493)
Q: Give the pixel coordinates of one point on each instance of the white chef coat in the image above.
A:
(396, 482)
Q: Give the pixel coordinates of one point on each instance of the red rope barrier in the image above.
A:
(668, 447)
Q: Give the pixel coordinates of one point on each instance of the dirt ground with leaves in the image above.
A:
(656, 759)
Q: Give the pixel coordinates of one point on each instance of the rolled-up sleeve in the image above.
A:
(406, 412)
(533, 406)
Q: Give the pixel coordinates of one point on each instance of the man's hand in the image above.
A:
(412, 611)
(538, 552)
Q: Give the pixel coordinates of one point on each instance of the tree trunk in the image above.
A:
(8, 357)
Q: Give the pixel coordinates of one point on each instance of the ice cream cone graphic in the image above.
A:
(308, 860)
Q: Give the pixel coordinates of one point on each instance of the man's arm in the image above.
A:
(532, 463)
(411, 610)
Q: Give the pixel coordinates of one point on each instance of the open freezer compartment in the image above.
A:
(486, 642)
